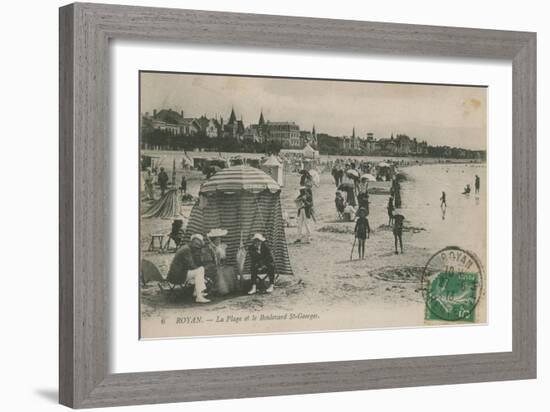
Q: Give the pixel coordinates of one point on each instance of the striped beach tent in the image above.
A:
(244, 201)
(167, 207)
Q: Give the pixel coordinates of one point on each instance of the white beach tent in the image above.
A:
(274, 168)
(309, 152)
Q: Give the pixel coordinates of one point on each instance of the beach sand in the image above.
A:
(329, 291)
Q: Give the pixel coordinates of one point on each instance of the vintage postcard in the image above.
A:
(278, 205)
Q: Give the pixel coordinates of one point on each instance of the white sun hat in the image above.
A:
(217, 232)
(198, 237)
(259, 236)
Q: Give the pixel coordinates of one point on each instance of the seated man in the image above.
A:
(261, 260)
(187, 265)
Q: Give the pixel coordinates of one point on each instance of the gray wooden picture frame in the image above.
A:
(85, 32)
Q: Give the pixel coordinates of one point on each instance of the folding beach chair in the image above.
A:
(175, 290)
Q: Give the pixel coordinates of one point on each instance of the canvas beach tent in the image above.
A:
(167, 207)
(242, 200)
(309, 152)
(274, 168)
(186, 161)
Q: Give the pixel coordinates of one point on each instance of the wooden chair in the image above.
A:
(156, 237)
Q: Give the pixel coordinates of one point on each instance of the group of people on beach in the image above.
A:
(159, 177)
(477, 184)
(152, 177)
(201, 262)
(467, 190)
(350, 206)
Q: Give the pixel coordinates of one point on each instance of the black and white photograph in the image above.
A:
(272, 205)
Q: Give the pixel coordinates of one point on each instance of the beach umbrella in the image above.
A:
(368, 177)
(239, 178)
(352, 172)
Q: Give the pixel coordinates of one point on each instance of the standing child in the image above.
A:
(390, 211)
(362, 231)
(398, 220)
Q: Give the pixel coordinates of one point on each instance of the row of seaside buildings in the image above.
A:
(285, 133)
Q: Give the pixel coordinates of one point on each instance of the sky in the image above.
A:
(441, 115)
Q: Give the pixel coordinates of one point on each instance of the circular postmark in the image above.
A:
(452, 284)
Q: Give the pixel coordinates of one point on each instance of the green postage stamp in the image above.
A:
(452, 284)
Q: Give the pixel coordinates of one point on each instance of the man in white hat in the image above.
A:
(261, 260)
(187, 266)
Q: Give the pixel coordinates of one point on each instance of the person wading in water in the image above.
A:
(443, 205)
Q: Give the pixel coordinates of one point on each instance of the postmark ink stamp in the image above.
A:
(452, 284)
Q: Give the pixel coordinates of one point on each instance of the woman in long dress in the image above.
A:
(149, 192)
(305, 214)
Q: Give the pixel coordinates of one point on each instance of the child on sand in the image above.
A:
(361, 231)
(398, 220)
(390, 211)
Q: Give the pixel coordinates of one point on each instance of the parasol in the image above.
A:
(368, 177)
(352, 172)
